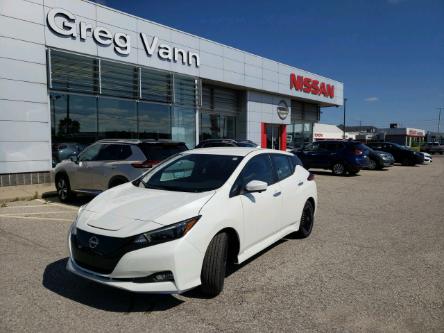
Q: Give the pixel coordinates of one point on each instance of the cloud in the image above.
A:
(371, 99)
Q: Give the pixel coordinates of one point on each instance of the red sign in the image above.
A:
(311, 86)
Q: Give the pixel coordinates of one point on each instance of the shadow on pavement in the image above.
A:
(329, 173)
(57, 279)
(77, 201)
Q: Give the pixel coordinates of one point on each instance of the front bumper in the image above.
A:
(178, 256)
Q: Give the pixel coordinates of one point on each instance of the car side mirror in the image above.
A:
(74, 158)
(256, 186)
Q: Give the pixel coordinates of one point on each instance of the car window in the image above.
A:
(160, 151)
(282, 166)
(258, 168)
(90, 153)
(193, 173)
(295, 161)
(114, 152)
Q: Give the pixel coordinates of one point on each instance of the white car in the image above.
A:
(178, 225)
(427, 158)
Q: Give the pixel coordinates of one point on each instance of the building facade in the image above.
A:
(76, 71)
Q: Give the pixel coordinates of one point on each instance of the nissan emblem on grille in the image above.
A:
(93, 242)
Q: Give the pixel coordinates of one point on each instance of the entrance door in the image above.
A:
(274, 136)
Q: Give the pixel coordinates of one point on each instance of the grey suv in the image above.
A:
(108, 163)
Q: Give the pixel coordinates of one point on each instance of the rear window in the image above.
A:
(282, 166)
(161, 151)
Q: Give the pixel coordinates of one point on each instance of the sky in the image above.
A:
(388, 53)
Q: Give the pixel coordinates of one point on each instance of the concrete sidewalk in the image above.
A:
(26, 192)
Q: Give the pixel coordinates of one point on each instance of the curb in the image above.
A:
(30, 197)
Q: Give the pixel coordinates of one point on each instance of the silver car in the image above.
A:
(108, 163)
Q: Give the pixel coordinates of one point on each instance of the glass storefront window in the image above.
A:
(299, 135)
(154, 121)
(183, 126)
(74, 118)
(117, 118)
(216, 126)
(209, 126)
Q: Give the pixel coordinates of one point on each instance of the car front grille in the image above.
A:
(99, 253)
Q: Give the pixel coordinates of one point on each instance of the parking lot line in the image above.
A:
(36, 218)
(35, 213)
(57, 204)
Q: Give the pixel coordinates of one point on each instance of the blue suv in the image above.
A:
(339, 156)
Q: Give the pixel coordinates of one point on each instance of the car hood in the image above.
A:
(133, 209)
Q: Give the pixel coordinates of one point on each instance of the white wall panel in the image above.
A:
(21, 131)
(208, 59)
(20, 50)
(153, 29)
(24, 151)
(24, 71)
(18, 29)
(185, 40)
(22, 10)
(77, 7)
(25, 166)
(23, 91)
(234, 66)
(23, 111)
(211, 47)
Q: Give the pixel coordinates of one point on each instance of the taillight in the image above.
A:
(358, 152)
(311, 176)
(145, 164)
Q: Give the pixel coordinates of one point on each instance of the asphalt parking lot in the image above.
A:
(373, 263)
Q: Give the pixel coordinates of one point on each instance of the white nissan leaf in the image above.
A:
(178, 225)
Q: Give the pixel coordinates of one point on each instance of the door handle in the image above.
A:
(300, 183)
(276, 194)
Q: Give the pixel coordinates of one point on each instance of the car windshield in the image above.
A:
(193, 173)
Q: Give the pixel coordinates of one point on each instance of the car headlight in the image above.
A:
(73, 228)
(166, 234)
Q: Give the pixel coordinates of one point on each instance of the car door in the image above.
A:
(261, 210)
(107, 164)
(79, 177)
(310, 155)
(290, 180)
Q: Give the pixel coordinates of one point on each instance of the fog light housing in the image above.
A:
(162, 276)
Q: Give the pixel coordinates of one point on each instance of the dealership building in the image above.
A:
(76, 71)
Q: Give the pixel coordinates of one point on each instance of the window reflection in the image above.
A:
(154, 121)
(184, 126)
(74, 118)
(117, 118)
(217, 126)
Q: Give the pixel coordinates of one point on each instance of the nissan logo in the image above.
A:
(93, 242)
(282, 109)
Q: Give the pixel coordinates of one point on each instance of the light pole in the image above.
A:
(343, 124)
(439, 117)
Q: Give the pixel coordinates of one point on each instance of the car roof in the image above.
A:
(139, 141)
(234, 151)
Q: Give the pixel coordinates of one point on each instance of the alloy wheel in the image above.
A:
(338, 169)
(307, 220)
(62, 188)
(372, 165)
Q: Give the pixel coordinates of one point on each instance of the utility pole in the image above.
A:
(439, 117)
(343, 124)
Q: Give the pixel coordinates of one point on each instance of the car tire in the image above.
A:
(307, 220)
(214, 266)
(338, 169)
(372, 165)
(63, 188)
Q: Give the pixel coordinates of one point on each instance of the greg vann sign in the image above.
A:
(64, 23)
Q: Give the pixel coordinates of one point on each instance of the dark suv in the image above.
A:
(226, 143)
(401, 154)
(339, 156)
